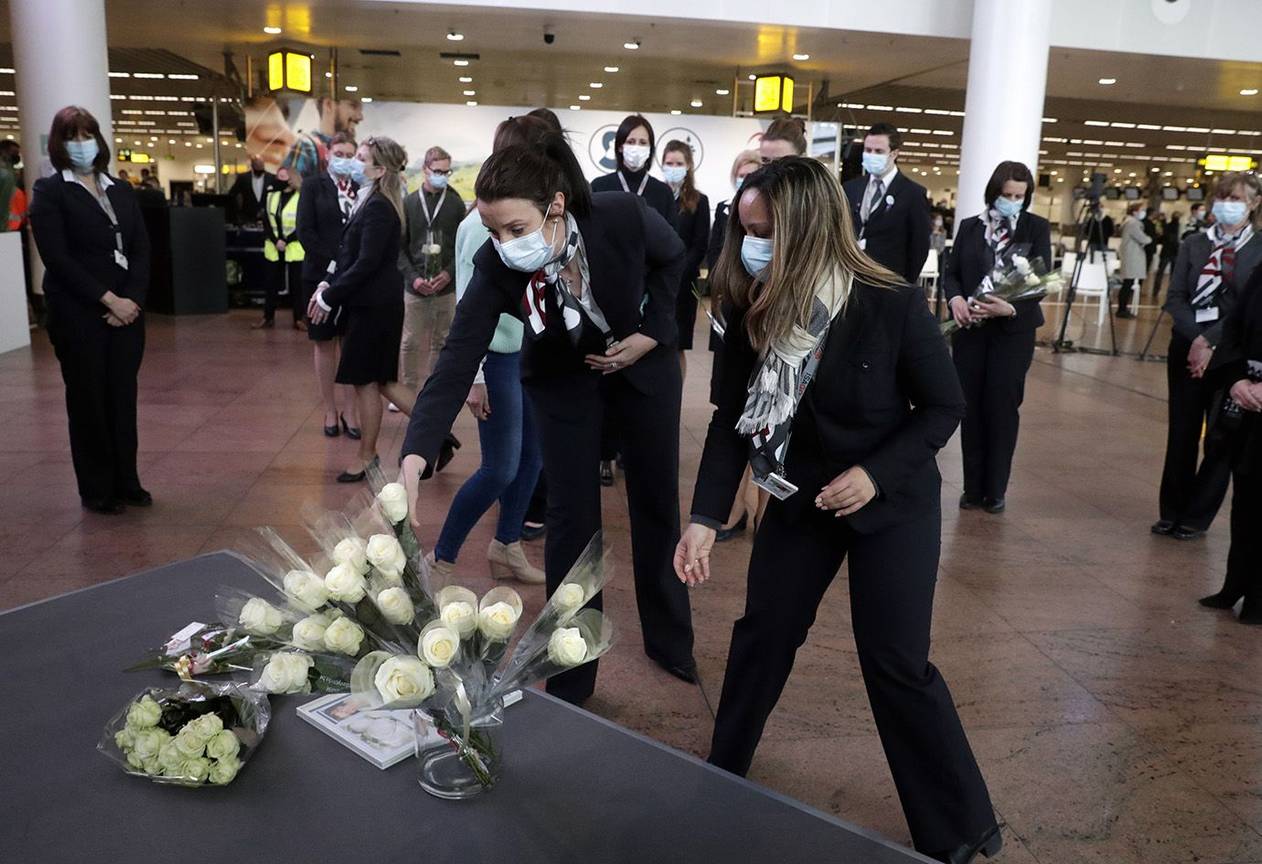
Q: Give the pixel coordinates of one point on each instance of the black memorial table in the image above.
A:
(576, 788)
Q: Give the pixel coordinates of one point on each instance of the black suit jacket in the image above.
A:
(1193, 255)
(694, 231)
(320, 223)
(368, 258)
(656, 193)
(76, 242)
(972, 260)
(885, 397)
(895, 235)
(717, 234)
(635, 260)
(245, 206)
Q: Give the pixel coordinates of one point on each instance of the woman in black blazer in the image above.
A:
(864, 387)
(633, 147)
(693, 226)
(994, 350)
(91, 237)
(594, 279)
(367, 285)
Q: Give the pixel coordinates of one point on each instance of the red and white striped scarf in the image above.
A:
(1220, 267)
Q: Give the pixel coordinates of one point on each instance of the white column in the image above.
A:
(1007, 81)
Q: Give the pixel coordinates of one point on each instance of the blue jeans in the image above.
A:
(511, 460)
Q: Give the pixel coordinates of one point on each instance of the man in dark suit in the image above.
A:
(248, 193)
(889, 211)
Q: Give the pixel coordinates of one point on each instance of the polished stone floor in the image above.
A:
(1115, 720)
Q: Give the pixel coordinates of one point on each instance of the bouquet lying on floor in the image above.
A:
(1014, 279)
(375, 626)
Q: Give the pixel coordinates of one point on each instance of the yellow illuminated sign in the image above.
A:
(773, 93)
(289, 70)
(1225, 162)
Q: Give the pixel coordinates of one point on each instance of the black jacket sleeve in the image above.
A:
(137, 255)
(411, 217)
(309, 225)
(52, 238)
(700, 239)
(929, 380)
(1178, 300)
(952, 276)
(379, 221)
(664, 259)
(717, 232)
(918, 242)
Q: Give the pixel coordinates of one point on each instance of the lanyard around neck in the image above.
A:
(625, 188)
(429, 220)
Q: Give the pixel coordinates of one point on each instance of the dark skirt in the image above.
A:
(686, 314)
(370, 345)
(328, 329)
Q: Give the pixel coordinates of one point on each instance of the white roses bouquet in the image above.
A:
(1015, 278)
(199, 735)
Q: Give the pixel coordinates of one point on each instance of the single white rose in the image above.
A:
(345, 583)
(566, 647)
(344, 637)
(354, 553)
(497, 621)
(461, 617)
(396, 606)
(189, 743)
(124, 739)
(404, 679)
(223, 771)
(1021, 263)
(309, 632)
(136, 762)
(393, 498)
(307, 588)
(385, 553)
(144, 713)
(260, 617)
(569, 596)
(197, 770)
(1032, 280)
(224, 745)
(285, 673)
(204, 727)
(168, 757)
(148, 743)
(439, 646)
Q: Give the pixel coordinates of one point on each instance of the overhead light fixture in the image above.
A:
(612, 69)
(1249, 91)
(880, 107)
(903, 109)
(148, 75)
(453, 36)
(1108, 81)
(1095, 122)
(632, 46)
(675, 112)
(471, 93)
(465, 79)
(773, 93)
(120, 74)
(722, 92)
(365, 100)
(801, 56)
(472, 103)
(576, 107)
(596, 85)
(460, 62)
(273, 31)
(351, 88)
(696, 103)
(328, 74)
(289, 70)
(753, 77)
(584, 98)
(182, 76)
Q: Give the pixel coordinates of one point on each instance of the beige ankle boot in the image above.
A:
(439, 571)
(509, 562)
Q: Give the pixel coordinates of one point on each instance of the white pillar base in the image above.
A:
(15, 331)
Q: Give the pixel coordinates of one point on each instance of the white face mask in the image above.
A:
(635, 156)
(530, 252)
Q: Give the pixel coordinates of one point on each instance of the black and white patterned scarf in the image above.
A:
(999, 229)
(1220, 267)
(548, 294)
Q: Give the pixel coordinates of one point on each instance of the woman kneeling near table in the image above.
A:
(806, 307)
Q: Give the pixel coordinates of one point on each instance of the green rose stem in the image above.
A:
(474, 752)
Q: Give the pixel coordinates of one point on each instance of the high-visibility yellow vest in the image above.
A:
(282, 224)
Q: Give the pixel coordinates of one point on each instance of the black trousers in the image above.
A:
(1125, 293)
(282, 275)
(1244, 560)
(570, 413)
(1166, 263)
(537, 512)
(1191, 496)
(992, 364)
(892, 578)
(99, 365)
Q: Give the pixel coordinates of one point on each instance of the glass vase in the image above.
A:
(454, 761)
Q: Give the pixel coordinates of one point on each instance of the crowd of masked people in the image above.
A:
(559, 313)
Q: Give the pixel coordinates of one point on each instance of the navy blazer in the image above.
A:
(635, 260)
(896, 235)
(368, 258)
(971, 260)
(1193, 255)
(656, 193)
(886, 397)
(76, 242)
(694, 230)
(718, 232)
(320, 223)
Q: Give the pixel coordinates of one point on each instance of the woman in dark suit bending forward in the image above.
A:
(824, 344)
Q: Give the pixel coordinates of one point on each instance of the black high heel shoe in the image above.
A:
(332, 431)
(358, 476)
(352, 432)
(988, 846)
(725, 534)
(1224, 599)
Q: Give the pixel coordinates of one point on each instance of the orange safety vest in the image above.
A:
(17, 209)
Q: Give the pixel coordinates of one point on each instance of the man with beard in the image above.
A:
(309, 155)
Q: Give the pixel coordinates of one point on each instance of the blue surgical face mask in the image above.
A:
(530, 252)
(1008, 208)
(675, 174)
(740, 181)
(358, 175)
(875, 163)
(82, 154)
(438, 181)
(1228, 213)
(342, 166)
(756, 254)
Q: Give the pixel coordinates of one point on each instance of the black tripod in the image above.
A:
(1091, 235)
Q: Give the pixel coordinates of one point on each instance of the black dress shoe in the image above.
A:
(988, 845)
(532, 532)
(1181, 532)
(686, 671)
(137, 498)
(1162, 527)
(606, 473)
(448, 452)
(725, 534)
(352, 432)
(332, 431)
(1125, 314)
(358, 476)
(967, 503)
(1224, 599)
(994, 505)
(265, 324)
(104, 506)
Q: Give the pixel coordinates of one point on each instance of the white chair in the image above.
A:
(929, 274)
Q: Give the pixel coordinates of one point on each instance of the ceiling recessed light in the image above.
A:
(472, 103)
(584, 98)
(465, 79)
(696, 103)
(471, 92)
(272, 31)
(1249, 91)
(453, 36)
(722, 92)
(801, 56)
(351, 88)
(576, 107)
(632, 46)
(328, 74)
(365, 100)
(460, 62)
(753, 77)
(611, 68)
(596, 85)
(1107, 81)
(676, 112)
(120, 74)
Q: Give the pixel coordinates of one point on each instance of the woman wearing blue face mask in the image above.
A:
(1210, 273)
(994, 350)
(91, 237)
(594, 279)
(693, 226)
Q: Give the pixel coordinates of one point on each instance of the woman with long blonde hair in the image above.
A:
(366, 283)
(838, 391)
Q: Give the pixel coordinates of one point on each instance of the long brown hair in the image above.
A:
(390, 155)
(813, 239)
(689, 197)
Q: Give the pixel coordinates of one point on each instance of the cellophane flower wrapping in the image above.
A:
(198, 734)
(214, 649)
(1015, 278)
